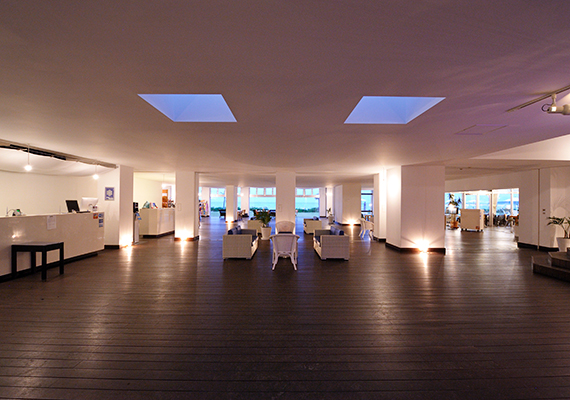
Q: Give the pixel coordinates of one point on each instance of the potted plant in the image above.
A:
(564, 223)
(264, 217)
(452, 207)
(330, 216)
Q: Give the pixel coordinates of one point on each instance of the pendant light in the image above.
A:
(28, 166)
(95, 175)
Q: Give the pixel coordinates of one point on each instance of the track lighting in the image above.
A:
(555, 109)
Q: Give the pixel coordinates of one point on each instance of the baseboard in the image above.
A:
(521, 245)
(547, 249)
(112, 247)
(411, 250)
(157, 236)
(193, 239)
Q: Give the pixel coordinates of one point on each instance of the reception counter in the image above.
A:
(156, 221)
(82, 234)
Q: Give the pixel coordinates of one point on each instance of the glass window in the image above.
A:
(484, 203)
(470, 201)
(366, 201)
(267, 202)
(307, 204)
(503, 204)
(222, 191)
(300, 192)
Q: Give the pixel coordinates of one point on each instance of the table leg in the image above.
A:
(44, 265)
(61, 261)
(14, 263)
(33, 261)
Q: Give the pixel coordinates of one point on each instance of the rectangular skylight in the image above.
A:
(390, 109)
(191, 107)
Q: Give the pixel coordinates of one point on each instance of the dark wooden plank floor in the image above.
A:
(171, 320)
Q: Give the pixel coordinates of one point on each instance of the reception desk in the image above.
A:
(82, 234)
(156, 221)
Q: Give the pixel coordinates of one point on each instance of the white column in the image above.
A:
(231, 203)
(414, 211)
(322, 202)
(380, 205)
(347, 203)
(330, 199)
(187, 220)
(115, 191)
(245, 199)
(285, 184)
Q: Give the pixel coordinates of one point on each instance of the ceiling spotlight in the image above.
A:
(28, 166)
(554, 109)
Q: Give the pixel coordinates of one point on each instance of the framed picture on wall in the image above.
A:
(109, 194)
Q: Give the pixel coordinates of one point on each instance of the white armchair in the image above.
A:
(254, 224)
(241, 243)
(285, 245)
(285, 227)
(331, 243)
(309, 225)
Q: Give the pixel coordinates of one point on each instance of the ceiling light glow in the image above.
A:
(390, 109)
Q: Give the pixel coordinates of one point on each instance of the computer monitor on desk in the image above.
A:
(72, 206)
(89, 203)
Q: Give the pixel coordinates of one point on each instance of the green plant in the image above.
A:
(329, 211)
(563, 222)
(263, 216)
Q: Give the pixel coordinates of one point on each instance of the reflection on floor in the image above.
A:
(171, 320)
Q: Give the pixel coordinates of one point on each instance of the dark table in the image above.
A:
(33, 248)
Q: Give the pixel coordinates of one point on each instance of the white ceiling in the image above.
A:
(291, 73)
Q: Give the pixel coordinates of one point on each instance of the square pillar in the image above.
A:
(231, 203)
(380, 206)
(414, 208)
(285, 183)
(115, 191)
(187, 219)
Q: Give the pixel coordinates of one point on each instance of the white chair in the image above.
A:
(285, 227)
(284, 245)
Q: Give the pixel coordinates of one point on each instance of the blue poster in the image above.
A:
(109, 194)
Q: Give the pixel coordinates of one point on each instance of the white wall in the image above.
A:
(542, 193)
(147, 190)
(42, 194)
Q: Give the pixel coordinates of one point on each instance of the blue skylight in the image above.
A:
(191, 107)
(390, 110)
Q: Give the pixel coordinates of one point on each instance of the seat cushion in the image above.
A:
(336, 231)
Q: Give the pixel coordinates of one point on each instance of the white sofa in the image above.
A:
(240, 243)
(331, 243)
(309, 225)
